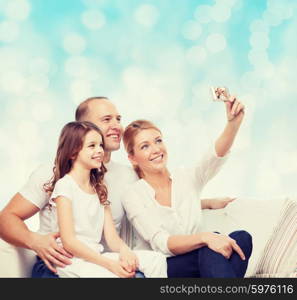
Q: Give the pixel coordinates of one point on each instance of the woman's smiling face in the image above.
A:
(149, 152)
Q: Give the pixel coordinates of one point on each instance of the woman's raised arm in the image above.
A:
(235, 114)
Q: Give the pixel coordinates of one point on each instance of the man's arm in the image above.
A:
(215, 203)
(14, 230)
(12, 226)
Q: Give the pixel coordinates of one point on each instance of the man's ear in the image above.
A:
(132, 161)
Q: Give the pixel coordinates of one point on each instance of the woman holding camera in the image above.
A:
(165, 208)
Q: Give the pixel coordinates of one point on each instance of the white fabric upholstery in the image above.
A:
(15, 261)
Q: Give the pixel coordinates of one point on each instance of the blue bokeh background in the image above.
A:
(154, 60)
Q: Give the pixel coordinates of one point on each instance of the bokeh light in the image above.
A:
(74, 43)
(216, 42)
(93, 19)
(146, 15)
(9, 31)
(17, 10)
(192, 30)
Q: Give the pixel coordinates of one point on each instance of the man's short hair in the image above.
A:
(83, 109)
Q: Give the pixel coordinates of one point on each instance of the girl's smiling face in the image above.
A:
(91, 153)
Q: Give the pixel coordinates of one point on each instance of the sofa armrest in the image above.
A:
(15, 261)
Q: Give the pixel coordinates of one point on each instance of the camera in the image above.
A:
(220, 93)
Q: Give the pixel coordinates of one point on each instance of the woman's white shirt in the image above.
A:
(155, 223)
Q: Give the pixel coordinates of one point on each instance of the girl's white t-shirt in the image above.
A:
(118, 176)
(88, 212)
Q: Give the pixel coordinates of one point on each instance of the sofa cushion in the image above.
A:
(279, 257)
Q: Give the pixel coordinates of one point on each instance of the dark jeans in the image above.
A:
(40, 270)
(206, 263)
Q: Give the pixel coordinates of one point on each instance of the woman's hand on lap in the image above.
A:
(222, 244)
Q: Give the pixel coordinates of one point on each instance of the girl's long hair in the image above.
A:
(70, 143)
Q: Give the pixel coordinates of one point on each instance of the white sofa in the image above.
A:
(260, 217)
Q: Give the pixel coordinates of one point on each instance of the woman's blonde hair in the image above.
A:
(129, 138)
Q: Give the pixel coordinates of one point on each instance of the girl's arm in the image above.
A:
(128, 259)
(76, 247)
(114, 242)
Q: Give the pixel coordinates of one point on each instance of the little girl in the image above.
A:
(80, 211)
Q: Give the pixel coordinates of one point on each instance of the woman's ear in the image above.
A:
(132, 160)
